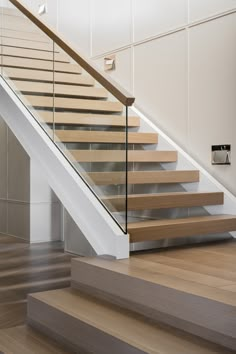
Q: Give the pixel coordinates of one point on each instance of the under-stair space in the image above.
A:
(89, 126)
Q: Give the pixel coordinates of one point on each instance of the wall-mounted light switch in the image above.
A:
(221, 154)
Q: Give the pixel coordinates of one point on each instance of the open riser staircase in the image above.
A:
(116, 179)
(90, 128)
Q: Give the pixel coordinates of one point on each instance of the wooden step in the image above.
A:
(72, 104)
(144, 177)
(48, 76)
(38, 37)
(70, 118)
(10, 11)
(173, 228)
(40, 65)
(119, 155)
(98, 327)
(18, 23)
(39, 88)
(33, 54)
(83, 136)
(190, 300)
(23, 339)
(28, 44)
(165, 200)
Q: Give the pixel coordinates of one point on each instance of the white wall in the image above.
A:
(180, 66)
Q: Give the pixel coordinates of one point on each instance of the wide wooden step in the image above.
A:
(119, 155)
(174, 228)
(70, 118)
(192, 297)
(144, 177)
(98, 327)
(42, 88)
(83, 136)
(48, 76)
(23, 339)
(33, 54)
(165, 200)
(71, 104)
(44, 65)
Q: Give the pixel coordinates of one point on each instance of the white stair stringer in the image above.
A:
(101, 231)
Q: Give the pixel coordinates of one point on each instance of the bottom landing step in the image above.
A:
(95, 326)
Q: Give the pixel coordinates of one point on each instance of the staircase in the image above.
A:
(145, 304)
(89, 126)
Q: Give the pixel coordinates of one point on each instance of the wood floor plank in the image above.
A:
(26, 340)
(199, 267)
(145, 263)
(25, 269)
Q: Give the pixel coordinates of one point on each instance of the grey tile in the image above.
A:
(3, 159)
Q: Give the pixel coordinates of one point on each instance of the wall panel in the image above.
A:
(199, 9)
(111, 25)
(160, 83)
(212, 93)
(152, 17)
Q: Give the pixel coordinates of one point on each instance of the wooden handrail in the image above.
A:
(122, 95)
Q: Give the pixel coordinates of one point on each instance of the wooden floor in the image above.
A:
(27, 269)
(212, 265)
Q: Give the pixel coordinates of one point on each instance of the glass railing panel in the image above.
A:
(85, 121)
(90, 128)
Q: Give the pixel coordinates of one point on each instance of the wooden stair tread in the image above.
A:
(27, 87)
(71, 118)
(119, 156)
(105, 137)
(23, 339)
(48, 76)
(123, 325)
(72, 104)
(166, 200)
(45, 65)
(33, 54)
(144, 177)
(27, 44)
(174, 228)
(19, 34)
